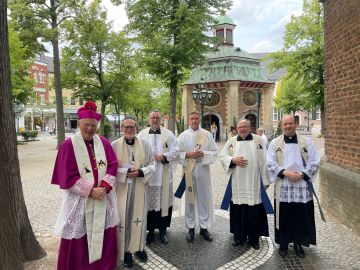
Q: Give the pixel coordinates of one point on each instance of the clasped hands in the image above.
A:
(133, 172)
(293, 176)
(195, 154)
(98, 193)
(158, 157)
(240, 161)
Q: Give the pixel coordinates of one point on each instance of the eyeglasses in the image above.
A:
(129, 127)
(243, 127)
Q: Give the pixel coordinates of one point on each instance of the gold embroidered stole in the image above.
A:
(139, 196)
(279, 144)
(190, 166)
(95, 210)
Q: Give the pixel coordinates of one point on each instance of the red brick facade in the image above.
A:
(342, 83)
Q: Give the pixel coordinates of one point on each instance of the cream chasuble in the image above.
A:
(140, 159)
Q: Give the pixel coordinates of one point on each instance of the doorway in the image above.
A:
(208, 120)
(252, 118)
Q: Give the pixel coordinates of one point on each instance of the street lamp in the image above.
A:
(258, 100)
(202, 95)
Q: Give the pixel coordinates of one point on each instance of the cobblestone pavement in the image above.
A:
(337, 247)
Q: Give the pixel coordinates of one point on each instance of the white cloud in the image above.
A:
(260, 23)
(116, 14)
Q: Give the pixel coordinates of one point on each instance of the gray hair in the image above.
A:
(128, 118)
(244, 119)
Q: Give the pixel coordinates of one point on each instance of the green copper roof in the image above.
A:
(224, 19)
(228, 63)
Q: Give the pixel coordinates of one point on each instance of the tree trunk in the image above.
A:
(57, 82)
(102, 122)
(322, 123)
(172, 105)
(18, 242)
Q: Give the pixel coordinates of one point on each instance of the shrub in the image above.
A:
(29, 134)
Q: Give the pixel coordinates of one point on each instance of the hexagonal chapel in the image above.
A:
(240, 87)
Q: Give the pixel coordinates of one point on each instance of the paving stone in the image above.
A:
(337, 247)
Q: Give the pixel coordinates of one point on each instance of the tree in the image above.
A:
(18, 242)
(97, 61)
(22, 85)
(42, 19)
(291, 97)
(172, 35)
(302, 54)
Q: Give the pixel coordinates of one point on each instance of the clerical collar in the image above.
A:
(130, 142)
(151, 131)
(290, 139)
(248, 138)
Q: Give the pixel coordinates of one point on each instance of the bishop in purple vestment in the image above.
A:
(79, 190)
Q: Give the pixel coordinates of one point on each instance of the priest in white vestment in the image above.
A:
(243, 158)
(197, 151)
(136, 167)
(293, 163)
(160, 191)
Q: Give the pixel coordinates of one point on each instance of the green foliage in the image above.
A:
(29, 134)
(22, 85)
(107, 129)
(97, 61)
(29, 27)
(302, 54)
(278, 130)
(172, 36)
(292, 97)
(180, 125)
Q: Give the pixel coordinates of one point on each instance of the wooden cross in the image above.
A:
(137, 221)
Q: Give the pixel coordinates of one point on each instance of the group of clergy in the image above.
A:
(112, 194)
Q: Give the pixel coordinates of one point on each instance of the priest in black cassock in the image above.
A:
(160, 191)
(243, 158)
(136, 165)
(293, 163)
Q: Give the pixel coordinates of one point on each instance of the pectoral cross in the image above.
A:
(137, 221)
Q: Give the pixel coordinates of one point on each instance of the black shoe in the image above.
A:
(141, 256)
(255, 246)
(205, 233)
(299, 251)
(283, 252)
(150, 238)
(236, 243)
(190, 235)
(128, 260)
(163, 238)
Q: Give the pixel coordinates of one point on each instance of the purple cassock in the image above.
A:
(71, 226)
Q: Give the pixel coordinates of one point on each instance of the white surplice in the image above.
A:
(245, 181)
(293, 191)
(201, 179)
(170, 150)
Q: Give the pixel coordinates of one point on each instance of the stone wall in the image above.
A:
(340, 173)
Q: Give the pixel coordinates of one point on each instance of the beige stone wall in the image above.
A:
(232, 106)
(266, 108)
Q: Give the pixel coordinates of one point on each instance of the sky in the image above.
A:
(260, 23)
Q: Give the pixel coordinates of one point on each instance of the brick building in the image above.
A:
(340, 172)
(241, 89)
